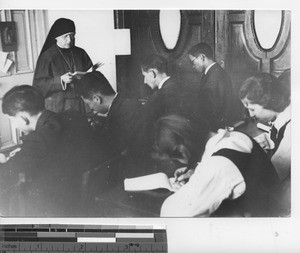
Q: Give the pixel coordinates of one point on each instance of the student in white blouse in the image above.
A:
(268, 100)
(226, 173)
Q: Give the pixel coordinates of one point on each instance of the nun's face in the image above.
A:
(66, 40)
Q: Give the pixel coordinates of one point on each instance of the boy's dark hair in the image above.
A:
(93, 83)
(201, 48)
(173, 130)
(155, 61)
(23, 98)
(264, 89)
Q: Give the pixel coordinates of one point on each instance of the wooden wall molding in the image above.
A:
(31, 33)
(267, 55)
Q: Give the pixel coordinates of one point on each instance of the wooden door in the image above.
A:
(146, 38)
(231, 33)
(239, 50)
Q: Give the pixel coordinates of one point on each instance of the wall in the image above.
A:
(94, 34)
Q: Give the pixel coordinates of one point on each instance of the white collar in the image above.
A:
(282, 118)
(227, 139)
(208, 68)
(162, 82)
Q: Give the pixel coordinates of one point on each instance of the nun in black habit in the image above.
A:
(58, 60)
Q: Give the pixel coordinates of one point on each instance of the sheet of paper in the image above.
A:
(3, 57)
(7, 65)
(148, 182)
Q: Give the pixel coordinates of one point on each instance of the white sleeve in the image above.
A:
(282, 157)
(213, 181)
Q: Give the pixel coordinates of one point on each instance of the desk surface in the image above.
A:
(118, 203)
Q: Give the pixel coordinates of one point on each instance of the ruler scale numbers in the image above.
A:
(82, 238)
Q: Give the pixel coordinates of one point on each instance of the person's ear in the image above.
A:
(26, 120)
(97, 98)
(181, 153)
(153, 72)
(202, 57)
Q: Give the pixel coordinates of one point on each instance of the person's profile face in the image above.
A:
(149, 78)
(66, 40)
(20, 122)
(198, 63)
(258, 111)
(95, 105)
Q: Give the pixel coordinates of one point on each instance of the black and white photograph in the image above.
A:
(147, 113)
(182, 113)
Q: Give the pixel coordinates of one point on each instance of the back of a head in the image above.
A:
(155, 61)
(201, 48)
(265, 89)
(94, 83)
(23, 98)
(174, 130)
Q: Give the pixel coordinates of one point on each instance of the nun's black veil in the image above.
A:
(61, 26)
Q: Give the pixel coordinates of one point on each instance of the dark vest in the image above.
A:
(262, 185)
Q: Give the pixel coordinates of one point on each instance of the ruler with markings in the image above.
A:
(57, 238)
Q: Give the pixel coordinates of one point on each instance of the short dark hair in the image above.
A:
(155, 61)
(93, 83)
(173, 130)
(201, 48)
(23, 98)
(264, 89)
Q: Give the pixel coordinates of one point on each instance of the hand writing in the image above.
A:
(12, 153)
(182, 175)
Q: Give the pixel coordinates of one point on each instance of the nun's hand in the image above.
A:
(67, 78)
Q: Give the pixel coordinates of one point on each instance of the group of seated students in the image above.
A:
(221, 173)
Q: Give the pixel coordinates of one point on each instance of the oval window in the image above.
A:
(169, 25)
(267, 26)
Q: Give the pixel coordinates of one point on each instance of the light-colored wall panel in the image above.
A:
(23, 56)
(21, 72)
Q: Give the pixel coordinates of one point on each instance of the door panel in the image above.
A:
(244, 55)
(231, 33)
(196, 26)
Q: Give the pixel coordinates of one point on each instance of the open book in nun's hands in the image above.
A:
(80, 74)
(151, 182)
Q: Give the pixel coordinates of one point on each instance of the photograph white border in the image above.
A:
(205, 235)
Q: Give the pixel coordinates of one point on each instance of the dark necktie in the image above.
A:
(276, 136)
(202, 79)
(273, 134)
